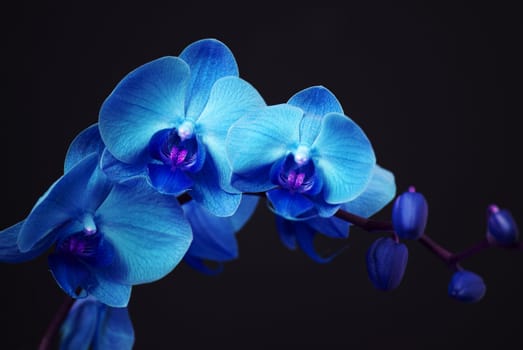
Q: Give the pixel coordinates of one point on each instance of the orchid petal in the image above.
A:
(305, 238)
(230, 99)
(246, 209)
(207, 191)
(78, 329)
(345, 157)
(117, 171)
(378, 193)
(110, 292)
(287, 231)
(9, 251)
(331, 227)
(148, 230)
(272, 132)
(86, 142)
(148, 99)
(213, 237)
(167, 180)
(116, 331)
(72, 276)
(289, 205)
(79, 191)
(209, 60)
(315, 102)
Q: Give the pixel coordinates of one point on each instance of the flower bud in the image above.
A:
(501, 226)
(386, 263)
(466, 286)
(409, 214)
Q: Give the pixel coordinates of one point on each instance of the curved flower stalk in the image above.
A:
(91, 324)
(378, 193)
(214, 238)
(107, 237)
(306, 154)
(168, 120)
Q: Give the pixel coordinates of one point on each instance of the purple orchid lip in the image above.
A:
(179, 153)
(296, 177)
(87, 246)
(80, 245)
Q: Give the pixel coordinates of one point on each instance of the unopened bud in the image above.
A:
(386, 263)
(409, 214)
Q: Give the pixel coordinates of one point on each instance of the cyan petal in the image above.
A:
(324, 209)
(85, 143)
(315, 102)
(209, 60)
(109, 292)
(246, 209)
(78, 329)
(71, 275)
(213, 237)
(258, 140)
(79, 191)
(117, 171)
(115, 331)
(207, 191)
(148, 230)
(289, 205)
(230, 99)
(378, 193)
(9, 251)
(148, 99)
(257, 180)
(199, 265)
(167, 181)
(345, 157)
(287, 231)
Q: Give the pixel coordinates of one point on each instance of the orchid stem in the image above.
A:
(56, 322)
(451, 259)
(437, 249)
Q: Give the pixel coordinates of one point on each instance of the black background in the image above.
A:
(436, 88)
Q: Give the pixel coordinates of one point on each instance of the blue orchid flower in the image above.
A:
(91, 324)
(107, 237)
(307, 155)
(168, 119)
(214, 238)
(301, 233)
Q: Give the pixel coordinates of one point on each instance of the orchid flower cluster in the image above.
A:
(181, 154)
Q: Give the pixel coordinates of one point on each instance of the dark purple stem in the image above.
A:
(451, 259)
(56, 322)
(478, 247)
(366, 224)
(437, 249)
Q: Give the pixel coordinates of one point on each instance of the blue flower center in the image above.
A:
(179, 153)
(296, 174)
(87, 246)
